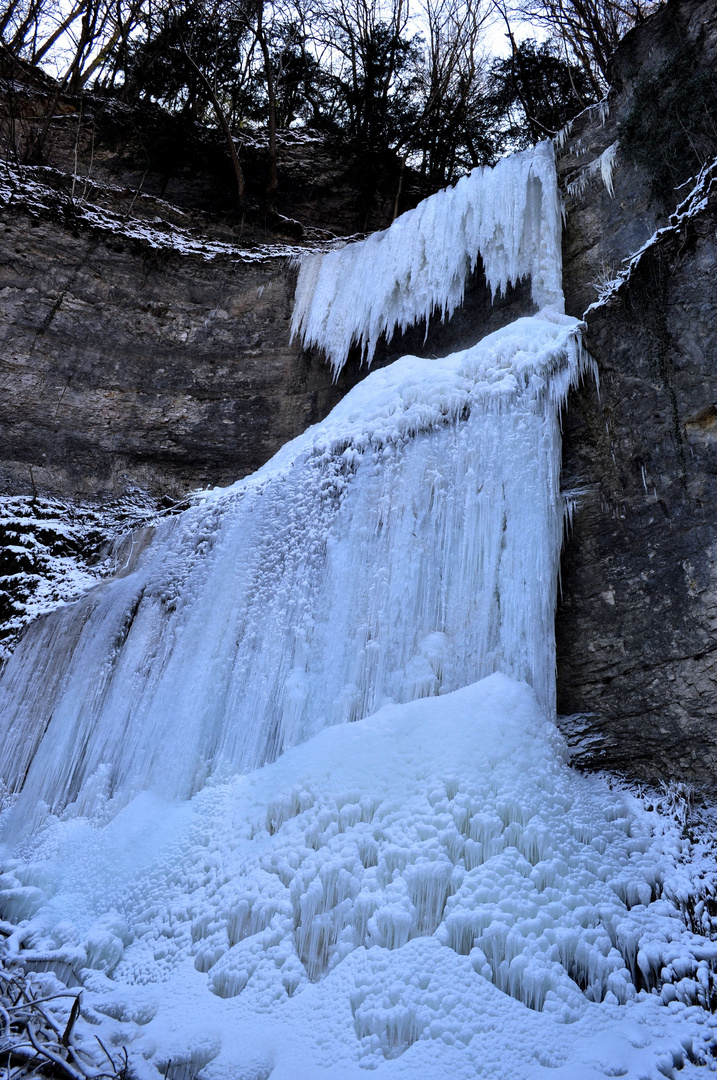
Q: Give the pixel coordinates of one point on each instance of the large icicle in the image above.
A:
(404, 547)
(509, 216)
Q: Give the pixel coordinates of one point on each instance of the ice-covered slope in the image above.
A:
(508, 216)
(404, 547)
(429, 893)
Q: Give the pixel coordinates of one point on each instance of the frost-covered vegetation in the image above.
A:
(52, 551)
(38, 1036)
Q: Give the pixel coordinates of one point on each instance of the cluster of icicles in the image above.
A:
(508, 216)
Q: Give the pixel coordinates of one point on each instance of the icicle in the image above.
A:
(509, 216)
(607, 166)
(604, 164)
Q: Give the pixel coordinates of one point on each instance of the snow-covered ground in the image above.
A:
(430, 892)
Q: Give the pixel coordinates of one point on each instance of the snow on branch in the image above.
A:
(37, 1034)
(509, 216)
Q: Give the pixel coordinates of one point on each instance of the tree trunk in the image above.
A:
(241, 190)
(273, 185)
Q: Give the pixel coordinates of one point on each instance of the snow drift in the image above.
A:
(428, 892)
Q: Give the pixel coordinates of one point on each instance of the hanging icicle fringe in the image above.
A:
(509, 216)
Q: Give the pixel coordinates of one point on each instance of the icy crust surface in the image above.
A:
(509, 216)
(403, 548)
(429, 892)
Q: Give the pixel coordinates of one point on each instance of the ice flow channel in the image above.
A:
(404, 547)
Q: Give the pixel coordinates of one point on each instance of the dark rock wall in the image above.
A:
(637, 623)
(124, 368)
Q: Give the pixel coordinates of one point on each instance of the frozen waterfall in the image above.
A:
(430, 891)
(405, 547)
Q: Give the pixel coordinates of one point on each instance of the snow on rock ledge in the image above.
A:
(509, 216)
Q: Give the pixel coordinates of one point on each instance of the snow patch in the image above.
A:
(693, 204)
(24, 186)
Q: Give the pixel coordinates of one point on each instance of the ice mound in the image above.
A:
(428, 892)
(404, 547)
(509, 216)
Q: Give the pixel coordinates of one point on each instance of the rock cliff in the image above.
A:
(637, 622)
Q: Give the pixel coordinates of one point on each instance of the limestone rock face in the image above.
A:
(129, 368)
(637, 622)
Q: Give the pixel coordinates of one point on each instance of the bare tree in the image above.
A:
(587, 30)
(263, 38)
(452, 85)
(213, 15)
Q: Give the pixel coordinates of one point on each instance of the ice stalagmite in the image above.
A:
(404, 547)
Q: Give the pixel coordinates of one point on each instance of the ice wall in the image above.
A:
(405, 547)
(509, 216)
